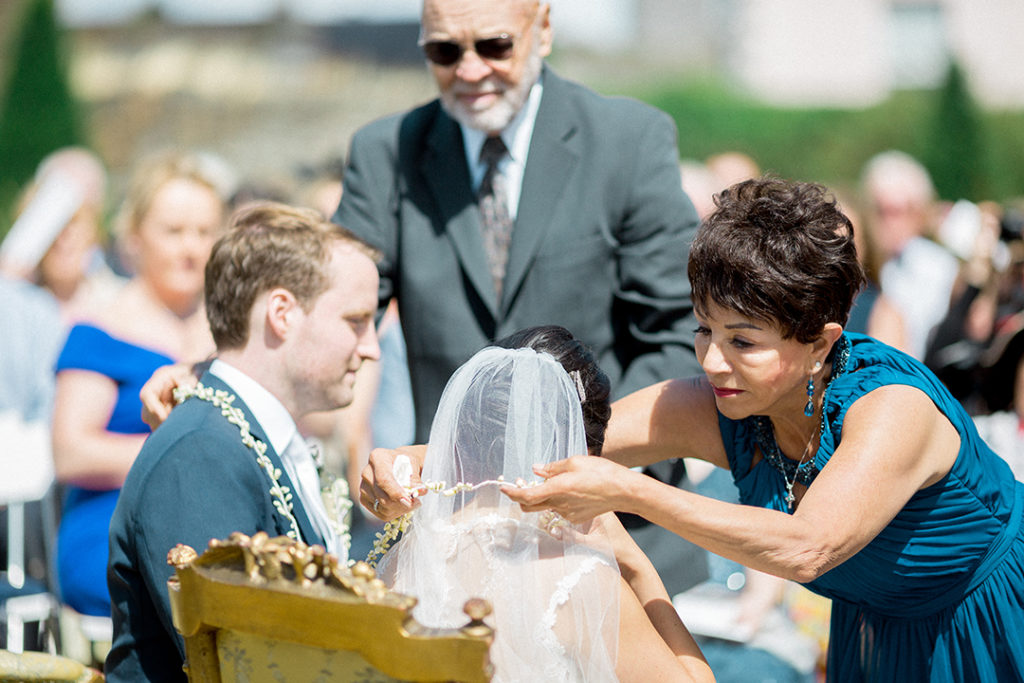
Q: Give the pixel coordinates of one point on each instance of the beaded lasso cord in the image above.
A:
(391, 531)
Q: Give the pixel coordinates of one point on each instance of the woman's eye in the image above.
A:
(741, 343)
(701, 330)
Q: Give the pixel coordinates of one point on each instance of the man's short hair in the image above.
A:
(269, 245)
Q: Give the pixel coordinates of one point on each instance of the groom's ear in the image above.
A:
(282, 312)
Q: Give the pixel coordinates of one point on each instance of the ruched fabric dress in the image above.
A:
(938, 595)
(83, 537)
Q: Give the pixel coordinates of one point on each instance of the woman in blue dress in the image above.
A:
(859, 475)
(170, 218)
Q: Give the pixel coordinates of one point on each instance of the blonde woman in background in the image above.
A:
(171, 216)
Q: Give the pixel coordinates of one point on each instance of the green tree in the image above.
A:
(38, 113)
(956, 151)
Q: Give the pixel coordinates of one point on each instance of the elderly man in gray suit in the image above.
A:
(581, 221)
(519, 198)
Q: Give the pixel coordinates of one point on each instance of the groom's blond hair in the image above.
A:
(269, 245)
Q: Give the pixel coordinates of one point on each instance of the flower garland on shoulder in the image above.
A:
(336, 497)
(334, 491)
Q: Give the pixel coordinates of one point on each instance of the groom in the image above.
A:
(290, 300)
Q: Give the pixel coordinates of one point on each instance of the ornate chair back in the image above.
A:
(41, 667)
(273, 609)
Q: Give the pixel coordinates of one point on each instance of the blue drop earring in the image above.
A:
(809, 408)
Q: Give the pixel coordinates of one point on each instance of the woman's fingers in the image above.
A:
(380, 492)
(553, 469)
(157, 394)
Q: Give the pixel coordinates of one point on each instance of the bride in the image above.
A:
(569, 603)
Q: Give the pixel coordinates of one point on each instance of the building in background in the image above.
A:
(274, 85)
(803, 52)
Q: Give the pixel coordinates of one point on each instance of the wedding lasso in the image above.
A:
(336, 499)
(402, 470)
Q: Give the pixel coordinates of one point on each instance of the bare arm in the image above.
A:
(644, 654)
(666, 420)
(673, 419)
(894, 442)
(84, 452)
(644, 589)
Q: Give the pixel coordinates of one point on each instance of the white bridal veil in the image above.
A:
(555, 599)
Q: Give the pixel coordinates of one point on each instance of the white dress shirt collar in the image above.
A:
(516, 136)
(281, 430)
(269, 412)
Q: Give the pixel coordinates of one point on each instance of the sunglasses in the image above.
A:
(446, 52)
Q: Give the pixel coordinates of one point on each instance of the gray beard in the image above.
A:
(500, 114)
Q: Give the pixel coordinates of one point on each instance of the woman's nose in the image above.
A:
(714, 360)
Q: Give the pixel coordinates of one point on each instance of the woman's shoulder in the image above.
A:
(873, 364)
(92, 347)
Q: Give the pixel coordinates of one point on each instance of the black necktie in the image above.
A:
(496, 220)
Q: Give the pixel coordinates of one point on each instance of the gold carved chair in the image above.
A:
(40, 667)
(273, 609)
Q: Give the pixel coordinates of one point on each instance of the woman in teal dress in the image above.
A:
(172, 214)
(859, 475)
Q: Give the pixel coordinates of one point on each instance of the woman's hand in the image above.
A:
(579, 488)
(157, 394)
(380, 492)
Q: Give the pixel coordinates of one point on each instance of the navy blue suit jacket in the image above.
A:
(193, 481)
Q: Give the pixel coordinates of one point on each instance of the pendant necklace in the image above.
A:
(790, 483)
(803, 471)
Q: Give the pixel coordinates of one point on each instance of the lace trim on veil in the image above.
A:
(560, 596)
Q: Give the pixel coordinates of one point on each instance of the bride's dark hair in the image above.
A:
(574, 356)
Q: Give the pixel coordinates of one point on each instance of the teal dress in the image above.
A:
(82, 539)
(938, 594)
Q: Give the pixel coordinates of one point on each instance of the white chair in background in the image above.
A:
(27, 465)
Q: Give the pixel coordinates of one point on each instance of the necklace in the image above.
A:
(790, 483)
(764, 434)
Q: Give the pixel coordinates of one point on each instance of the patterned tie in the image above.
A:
(492, 197)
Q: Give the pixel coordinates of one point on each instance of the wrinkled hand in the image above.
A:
(579, 488)
(380, 492)
(157, 394)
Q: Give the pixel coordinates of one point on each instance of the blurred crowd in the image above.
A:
(99, 290)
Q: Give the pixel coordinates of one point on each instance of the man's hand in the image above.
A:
(157, 394)
(380, 492)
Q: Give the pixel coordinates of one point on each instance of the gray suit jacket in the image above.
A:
(599, 246)
(193, 481)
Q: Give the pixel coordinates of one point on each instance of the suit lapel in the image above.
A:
(551, 160)
(444, 167)
(306, 529)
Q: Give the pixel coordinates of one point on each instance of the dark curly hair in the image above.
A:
(777, 251)
(573, 356)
